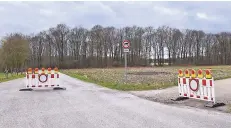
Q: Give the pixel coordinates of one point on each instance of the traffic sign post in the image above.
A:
(126, 45)
(125, 66)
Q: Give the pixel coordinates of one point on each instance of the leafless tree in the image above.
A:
(100, 46)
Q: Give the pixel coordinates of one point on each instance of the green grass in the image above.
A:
(229, 108)
(10, 77)
(113, 77)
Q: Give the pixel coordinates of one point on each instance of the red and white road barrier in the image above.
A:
(42, 78)
(197, 87)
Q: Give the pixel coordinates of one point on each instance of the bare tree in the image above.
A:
(100, 46)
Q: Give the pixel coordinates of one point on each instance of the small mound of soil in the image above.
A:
(148, 73)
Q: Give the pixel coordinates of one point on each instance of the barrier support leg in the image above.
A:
(59, 88)
(26, 89)
(180, 98)
(213, 105)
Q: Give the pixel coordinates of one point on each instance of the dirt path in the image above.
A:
(222, 92)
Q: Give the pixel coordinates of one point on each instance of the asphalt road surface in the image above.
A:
(85, 105)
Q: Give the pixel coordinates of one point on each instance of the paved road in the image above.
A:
(84, 105)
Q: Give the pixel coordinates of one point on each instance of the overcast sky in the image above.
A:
(28, 17)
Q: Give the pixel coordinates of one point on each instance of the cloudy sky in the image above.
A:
(28, 17)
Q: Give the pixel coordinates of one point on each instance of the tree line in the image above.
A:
(99, 47)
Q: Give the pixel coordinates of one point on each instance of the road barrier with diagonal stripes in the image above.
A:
(42, 79)
(197, 85)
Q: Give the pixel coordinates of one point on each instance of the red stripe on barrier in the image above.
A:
(40, 86)
(191, 95)
(46, 85)
(33, 85)
(198, 97)
(52, 75)
(204, 82)
(205, 97)
(33, 76)
(185, 94)
(184, 81)
(211, 83)
(57, 75)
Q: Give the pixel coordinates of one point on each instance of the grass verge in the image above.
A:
(10, 77)
(141, 78)
(229, 108)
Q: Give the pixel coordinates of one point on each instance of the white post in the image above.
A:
(213, 91)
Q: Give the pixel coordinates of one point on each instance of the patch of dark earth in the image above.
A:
(149, 73)
(189, 103)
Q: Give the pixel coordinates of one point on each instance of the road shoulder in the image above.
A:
(222, 90)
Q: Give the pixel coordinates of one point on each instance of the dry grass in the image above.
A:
(140, 78)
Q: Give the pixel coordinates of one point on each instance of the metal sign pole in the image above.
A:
(126, 45)
(125, 66)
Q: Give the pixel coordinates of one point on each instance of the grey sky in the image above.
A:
(28, 17)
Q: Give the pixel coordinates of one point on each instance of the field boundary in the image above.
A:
(118, 86)
(140, 78)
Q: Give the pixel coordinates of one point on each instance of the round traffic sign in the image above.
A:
(194, 85)
(126, 44)
(43, 78)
